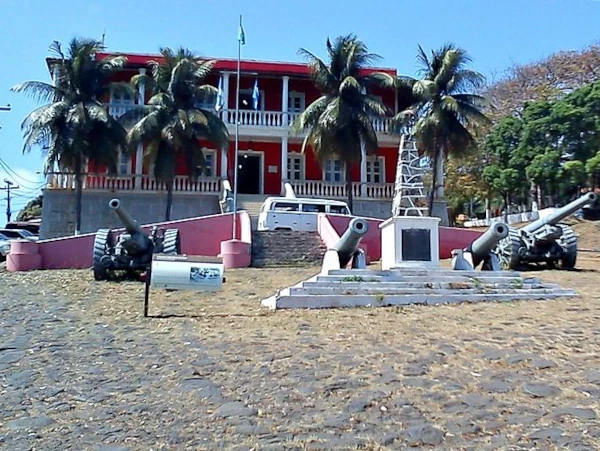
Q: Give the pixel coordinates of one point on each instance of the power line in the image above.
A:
(13, 174)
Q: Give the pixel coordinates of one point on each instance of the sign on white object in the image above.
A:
(410, 242)
(187, 272)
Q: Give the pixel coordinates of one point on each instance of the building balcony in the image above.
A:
(137, 182)
(259, 120)
(213, 185)
(337, 190)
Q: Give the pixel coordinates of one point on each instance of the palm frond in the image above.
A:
(40, 91)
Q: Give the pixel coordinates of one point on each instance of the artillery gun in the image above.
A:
(347, 248)
(481, 250)
(133, 249)
(544, 240)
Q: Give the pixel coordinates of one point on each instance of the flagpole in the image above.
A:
(237, 136)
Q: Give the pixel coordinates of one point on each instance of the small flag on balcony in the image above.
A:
(220, 100)
(255, 95)
(241, 34)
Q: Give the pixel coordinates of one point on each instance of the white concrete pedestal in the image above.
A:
(410, 242)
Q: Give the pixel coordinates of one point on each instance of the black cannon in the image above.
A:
(481, 250)
(346, 249)
(133, 249)
(544, 240)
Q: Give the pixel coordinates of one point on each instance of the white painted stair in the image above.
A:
(371, 288)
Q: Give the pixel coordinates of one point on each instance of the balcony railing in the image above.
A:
(320, 188)
(254, 118)
(141, 182)
(213, 185)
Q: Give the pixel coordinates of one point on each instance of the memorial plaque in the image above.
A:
(416, 244)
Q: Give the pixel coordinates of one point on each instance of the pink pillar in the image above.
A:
(235, 254)
(23, 256)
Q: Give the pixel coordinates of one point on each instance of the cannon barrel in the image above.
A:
(131, 225)
(482, 246)
(348, 243)
(561, 213)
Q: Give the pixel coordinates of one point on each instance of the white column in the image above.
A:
(139, 157)
(285, 99)
(224, 151)
(439, 190)
(363, 170)
(284, 160)
(225, 87)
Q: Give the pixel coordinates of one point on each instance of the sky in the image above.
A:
(496, 34)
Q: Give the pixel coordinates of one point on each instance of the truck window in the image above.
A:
(284, 206)
(312, 208)
(338, 209)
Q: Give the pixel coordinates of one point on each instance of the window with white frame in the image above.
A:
(206, 102)
(375, 170)
(296, 102)
(123, 164)
(210, 163)
(333, 171)
(295, 166)
(120, 103)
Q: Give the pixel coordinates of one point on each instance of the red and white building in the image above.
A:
(269, 155)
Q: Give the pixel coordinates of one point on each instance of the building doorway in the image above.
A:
(249, 173)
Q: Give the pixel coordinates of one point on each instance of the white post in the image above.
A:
(285, 99)
(225, 88)
(224, 150)
(284, 160)
(139, 156)
(363, 170)
(439, 189)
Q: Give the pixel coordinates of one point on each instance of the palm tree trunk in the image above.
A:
(169, 200)
(349, 186)
(439, 189)
(78, 194)
(433, 181)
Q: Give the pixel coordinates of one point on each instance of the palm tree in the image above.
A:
(73, 125)
(340, 122)
(172, 123)
(445, 110)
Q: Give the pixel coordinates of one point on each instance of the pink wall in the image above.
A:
(450, 237)
(199, 236)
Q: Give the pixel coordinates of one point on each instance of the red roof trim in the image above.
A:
(227, 64)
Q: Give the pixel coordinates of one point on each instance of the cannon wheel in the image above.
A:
(568, 243)
(508, 250)
(171, 242)
(102, 245)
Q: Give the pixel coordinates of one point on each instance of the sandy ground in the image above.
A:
(217, 371)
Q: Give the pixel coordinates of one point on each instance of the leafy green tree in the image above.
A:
(592, 167)
(73, 126)
(573, 177)
(447, 110)
(173, 124)
(339, 123)
(544, 171)
(33, 210)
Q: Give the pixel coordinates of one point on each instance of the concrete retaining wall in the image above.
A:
(58, 211)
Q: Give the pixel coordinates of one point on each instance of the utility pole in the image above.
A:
(9, 185)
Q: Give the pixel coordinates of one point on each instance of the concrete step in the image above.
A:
(421, 272)
(340, 300)
(314, 289)
(421, 279)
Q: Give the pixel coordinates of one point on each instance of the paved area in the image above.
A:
(80, 368)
